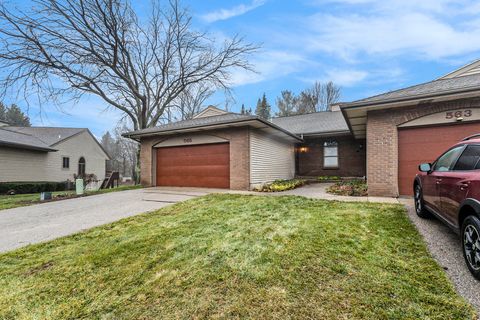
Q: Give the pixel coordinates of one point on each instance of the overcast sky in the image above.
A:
(365, 46)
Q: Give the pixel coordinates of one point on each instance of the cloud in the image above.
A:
(428, 29)
(345, 77)
(224, 14)
(270, 65)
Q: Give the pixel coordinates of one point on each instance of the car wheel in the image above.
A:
(471, 244)
(419, 206)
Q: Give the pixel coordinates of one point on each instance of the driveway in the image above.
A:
(26, 225)
(445, 247)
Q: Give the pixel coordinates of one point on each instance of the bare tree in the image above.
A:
(286, 104)
(68, 48)
(331, 94)
(191, 100)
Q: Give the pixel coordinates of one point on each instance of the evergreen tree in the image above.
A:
(3, 112)
(263, 109)
(15, 117)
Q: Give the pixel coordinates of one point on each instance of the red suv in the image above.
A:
(449, 188)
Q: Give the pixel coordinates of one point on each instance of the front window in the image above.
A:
(330, 154)
(448, 159)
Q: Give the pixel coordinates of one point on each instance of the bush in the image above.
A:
(282, 185)
(34, 187)
(328, 178)
(354, 188)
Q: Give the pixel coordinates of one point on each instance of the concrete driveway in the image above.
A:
(26, 225)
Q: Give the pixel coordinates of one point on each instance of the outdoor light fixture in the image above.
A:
(303, 149)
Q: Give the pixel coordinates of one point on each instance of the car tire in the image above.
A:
(420, 209)
(471, 244)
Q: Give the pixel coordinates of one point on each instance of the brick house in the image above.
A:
(383, 137)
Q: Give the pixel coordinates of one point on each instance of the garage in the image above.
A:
(205, 165)
(424, 144)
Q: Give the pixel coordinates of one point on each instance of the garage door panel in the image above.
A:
(192, 151)
(194, 166)
(198, 171)
(426, 144)
(214, 159)
(205, 182)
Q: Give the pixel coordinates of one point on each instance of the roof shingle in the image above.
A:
(429, 88)
(313, 123)
(35, 138)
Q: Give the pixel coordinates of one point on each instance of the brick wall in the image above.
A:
(382, 141)
(239, 156)
(351, 157)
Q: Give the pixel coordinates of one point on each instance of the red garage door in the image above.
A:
(425, 144)
(194, 166)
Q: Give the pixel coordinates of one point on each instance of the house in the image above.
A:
(406, 127)
(383, 137)
(220, 149)
(48, 154)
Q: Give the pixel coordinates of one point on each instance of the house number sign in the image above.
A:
(458, 114)
(187, 140)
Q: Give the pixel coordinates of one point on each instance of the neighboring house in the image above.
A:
(49, 154)
(384, 137)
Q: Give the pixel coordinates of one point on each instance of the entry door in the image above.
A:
(205, 166)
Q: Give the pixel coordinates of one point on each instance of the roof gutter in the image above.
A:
(136, 136)
(26, 146)
(351, 105)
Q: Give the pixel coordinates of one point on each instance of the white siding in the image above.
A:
(23, 165)
(270, 158)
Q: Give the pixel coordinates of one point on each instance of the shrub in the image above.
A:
(328, 178)
(34, 187)
(282, 185)
(354, 188)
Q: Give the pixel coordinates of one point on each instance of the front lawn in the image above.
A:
(235, 256)
(21, 200)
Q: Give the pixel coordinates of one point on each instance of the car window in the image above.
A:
(469, 158)
(447, 160)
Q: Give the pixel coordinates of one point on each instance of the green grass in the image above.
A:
(21, 200)
(235, 257)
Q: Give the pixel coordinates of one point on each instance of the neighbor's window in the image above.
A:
(65, 162)
(330, 154)
(81, 166)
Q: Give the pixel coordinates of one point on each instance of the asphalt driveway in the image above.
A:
(26, 225)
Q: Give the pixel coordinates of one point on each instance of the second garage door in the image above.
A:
(425, 144)
(205, 166)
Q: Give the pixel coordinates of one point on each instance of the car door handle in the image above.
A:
(464, 185)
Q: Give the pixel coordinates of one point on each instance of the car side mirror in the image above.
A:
(425, 167)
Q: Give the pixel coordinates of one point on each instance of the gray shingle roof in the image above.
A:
(313, 123)
(35, 138)
(17, 139)
(431, 88)
(49, 135)
(193, 123)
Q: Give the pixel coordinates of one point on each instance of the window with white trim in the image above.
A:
(330, 154)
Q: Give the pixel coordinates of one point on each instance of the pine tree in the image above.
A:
(242, 111)
(16, 117)
(3, 112)
(263, 109)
